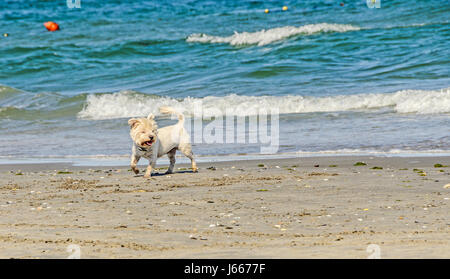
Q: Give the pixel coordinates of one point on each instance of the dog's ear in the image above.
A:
(132, 122)
(150, 116)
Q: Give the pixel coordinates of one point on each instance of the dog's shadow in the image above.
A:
(165, 173)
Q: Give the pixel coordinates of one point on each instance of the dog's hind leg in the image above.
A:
(186, 149)
(171, 156)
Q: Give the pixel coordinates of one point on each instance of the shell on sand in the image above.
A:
(447, 186)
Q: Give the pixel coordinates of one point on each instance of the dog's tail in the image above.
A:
(170, 110)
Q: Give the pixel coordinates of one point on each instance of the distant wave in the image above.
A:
(21, 105)
(130, 104)
(4, 90)
(268, 36)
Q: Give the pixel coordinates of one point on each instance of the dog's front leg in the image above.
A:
(148, 172)
(150, 167)
(134, 161)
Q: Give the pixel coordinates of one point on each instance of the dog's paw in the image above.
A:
(194, 170)
(136, 171)
(168, 172)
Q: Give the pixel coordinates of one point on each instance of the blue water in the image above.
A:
(344, 78)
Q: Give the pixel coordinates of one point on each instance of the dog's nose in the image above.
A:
(151, 137)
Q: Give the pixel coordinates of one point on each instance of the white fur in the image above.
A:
(168, 140)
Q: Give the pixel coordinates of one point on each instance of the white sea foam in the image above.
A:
(122, 159)
(131, 104)
(368, 152)
(268, 36)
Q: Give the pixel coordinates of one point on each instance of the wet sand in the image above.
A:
(323, 207)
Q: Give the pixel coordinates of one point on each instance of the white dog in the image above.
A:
(152, 143)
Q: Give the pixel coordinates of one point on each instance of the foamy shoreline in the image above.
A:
(123, 160)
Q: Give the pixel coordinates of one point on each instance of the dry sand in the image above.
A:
(287, 208)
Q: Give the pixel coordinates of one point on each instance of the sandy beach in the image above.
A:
(321, 129)
(322, 207)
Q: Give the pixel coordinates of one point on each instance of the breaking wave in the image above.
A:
(130, 104)
(268, 36)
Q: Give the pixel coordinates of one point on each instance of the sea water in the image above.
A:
(342, 79)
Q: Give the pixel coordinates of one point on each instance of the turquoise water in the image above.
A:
(344, 79)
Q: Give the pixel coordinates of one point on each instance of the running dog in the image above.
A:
(151, 143)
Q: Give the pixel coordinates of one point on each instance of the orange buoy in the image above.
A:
(51, 26)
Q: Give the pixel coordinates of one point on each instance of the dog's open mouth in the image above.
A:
(147, 143)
